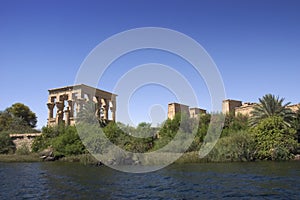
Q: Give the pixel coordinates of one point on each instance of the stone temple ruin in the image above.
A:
(238, 107)
(65, 103)
(174, 108)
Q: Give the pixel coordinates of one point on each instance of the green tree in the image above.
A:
(13, 124)
(6, 144)
(201, 132)
(67, 143)
(269, 106)
(5, 120)
(144, 130)
(44, 140)
(274, 139)
(238, 146)
(234, 123)
(20, 110)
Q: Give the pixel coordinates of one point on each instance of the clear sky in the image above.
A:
(255, 45)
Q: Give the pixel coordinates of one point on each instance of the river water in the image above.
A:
(57, 180)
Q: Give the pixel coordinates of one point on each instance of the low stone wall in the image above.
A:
(24, 140)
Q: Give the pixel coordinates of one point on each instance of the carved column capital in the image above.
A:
(50, 105)
(60, 105)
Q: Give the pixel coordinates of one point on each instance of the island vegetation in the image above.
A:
(271, 133)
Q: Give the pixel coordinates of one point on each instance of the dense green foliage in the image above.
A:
(238, 146)
(13, 124)
(6, 145)
(234, 124)
(63, 139)
(139, 139)
(22, 111)
(274, 139)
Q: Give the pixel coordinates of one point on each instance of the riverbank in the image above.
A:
(88, 159)
(20, 158)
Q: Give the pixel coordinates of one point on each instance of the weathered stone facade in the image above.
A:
(174, 108)
(65, 103)
(229, 105)
(195, 112)
(237, 107)
(24, 140)
(245, 109)
(294, 107)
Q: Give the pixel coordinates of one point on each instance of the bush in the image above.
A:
(239, 146)
(23, 149)
(63, 139)
(67, 143)
(274, 139)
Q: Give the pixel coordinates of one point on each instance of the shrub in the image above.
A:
(274, 139)
(239, 146)
(23, 149)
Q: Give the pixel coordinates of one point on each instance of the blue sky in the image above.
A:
(255, 44)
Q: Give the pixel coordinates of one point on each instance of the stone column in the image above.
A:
(113, 110)
(79, 103)
(70, 104)
(50, 110)
(106, 108)
(67, 115)
(98, 107)
(60, 112)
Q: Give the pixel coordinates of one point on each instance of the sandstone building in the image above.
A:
(174, 108)
(66, 102)
(245, 109)
(194, 112)
(294, 107)
(229, 105)
(237, 107)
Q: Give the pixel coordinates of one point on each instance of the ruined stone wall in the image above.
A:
(229, 105)
(174, 108)
(245, 109)
(24, 140)
(294, 107)
(195, 112)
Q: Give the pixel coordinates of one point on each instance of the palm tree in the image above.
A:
(268, 106)
(90, 114)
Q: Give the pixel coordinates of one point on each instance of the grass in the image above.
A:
(191, 157)
(86, 159)
(33, 157)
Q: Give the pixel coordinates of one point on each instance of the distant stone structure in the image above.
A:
(174, 108)
(294, 107)
(237, 107)
(194, 112)
(229, 105)
(245, 109)
(66, 102)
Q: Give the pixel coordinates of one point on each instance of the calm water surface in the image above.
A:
(260, 180)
